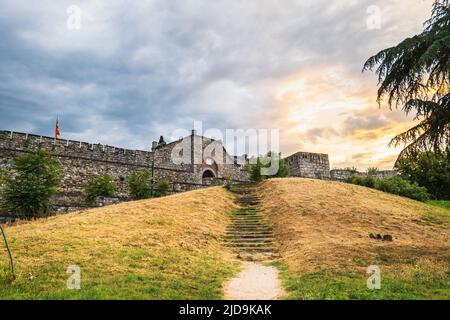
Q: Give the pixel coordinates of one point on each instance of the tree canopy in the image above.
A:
(256, 172)
(416, 75)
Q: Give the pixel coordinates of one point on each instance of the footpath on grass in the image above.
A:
(250, 236)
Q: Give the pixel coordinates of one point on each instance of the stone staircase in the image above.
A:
(249, 234)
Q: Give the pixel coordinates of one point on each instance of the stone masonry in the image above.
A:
(80, 161)
(342, 174)
(309, 165)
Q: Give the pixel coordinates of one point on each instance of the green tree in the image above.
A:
(430, 170)
(28, 191)
(416, 75)
(139, 184)
(255, 170)
(100, 186)
(283, 169)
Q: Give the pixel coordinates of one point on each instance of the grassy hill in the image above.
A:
(171, 248)
(322, 230)
(167, 248)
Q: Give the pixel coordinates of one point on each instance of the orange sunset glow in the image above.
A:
(292, 65)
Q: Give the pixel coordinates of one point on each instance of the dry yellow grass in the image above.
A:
(324, 224)
(158, 240)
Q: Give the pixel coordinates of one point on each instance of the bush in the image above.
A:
(4, 173)
(161, 189)
(100, 186)
(430, 170)
(28, 191)
(368, 181)
(402, 187)
(395, 185)
(139, 184)
(229, 184)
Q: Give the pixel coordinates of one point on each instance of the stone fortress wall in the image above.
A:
(80, 161)
(317, 166)
(342, 174)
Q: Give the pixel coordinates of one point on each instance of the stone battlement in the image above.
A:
(19, 141)
(81, 161)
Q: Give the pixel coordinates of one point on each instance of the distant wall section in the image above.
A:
(309, 165)
(343, 174)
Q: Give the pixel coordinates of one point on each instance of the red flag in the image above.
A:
(57, 129)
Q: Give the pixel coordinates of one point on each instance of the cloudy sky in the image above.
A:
(135, 70)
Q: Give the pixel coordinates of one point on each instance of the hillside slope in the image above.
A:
(166, 248)
(322, 230)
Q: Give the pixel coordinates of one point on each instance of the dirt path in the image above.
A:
(255, 282)
(250, 236)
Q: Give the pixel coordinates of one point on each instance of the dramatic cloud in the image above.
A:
(139, 69)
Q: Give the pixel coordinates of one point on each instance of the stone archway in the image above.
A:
(207, 174)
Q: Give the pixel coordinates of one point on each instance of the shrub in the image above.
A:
(368, 181)
(28, 191)
(430, 170)
(139, 184)
(4, 173)
(3, 176)
(402, 187)
(102, 185)
(395, 185)
(229, 184)
(161, 189)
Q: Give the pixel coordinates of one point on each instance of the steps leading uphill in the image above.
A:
(249, 233)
